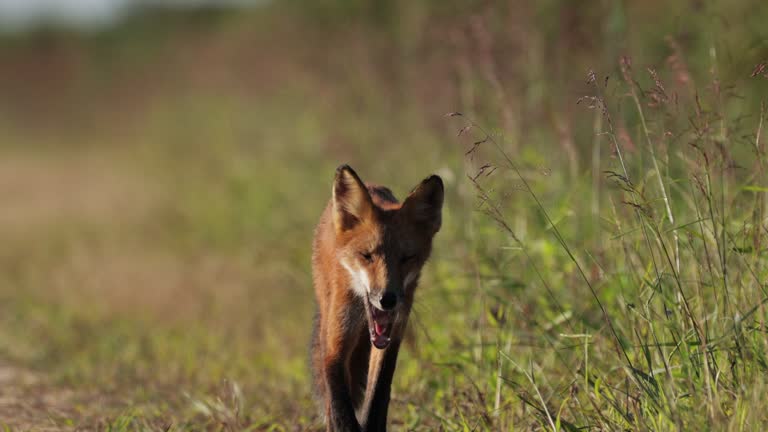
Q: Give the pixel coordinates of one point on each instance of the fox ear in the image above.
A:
(425, 203)
(351, 202)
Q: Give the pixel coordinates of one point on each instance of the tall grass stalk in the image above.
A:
(691, 340)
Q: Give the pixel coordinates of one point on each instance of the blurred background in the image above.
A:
(163, 164)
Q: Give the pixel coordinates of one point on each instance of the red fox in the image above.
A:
(367, 256)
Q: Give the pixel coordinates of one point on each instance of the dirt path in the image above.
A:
(28, 402)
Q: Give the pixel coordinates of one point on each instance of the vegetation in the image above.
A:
(603, 255)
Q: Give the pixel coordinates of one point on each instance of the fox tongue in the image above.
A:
(380, 338)
(381, 327)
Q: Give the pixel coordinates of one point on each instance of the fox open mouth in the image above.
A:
(380, 325)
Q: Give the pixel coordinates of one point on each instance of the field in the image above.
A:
(602, 260)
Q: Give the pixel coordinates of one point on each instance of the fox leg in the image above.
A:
(381, 370)
(380, 373)
(340, 413)
(340, 341)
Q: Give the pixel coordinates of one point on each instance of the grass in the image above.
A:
(601, 263)
(670, 337)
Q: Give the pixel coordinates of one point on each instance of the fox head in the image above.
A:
(383, 244)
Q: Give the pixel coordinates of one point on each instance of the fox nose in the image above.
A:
(388, 300)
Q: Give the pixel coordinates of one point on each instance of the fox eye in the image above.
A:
(367, 256)
(407, 258)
